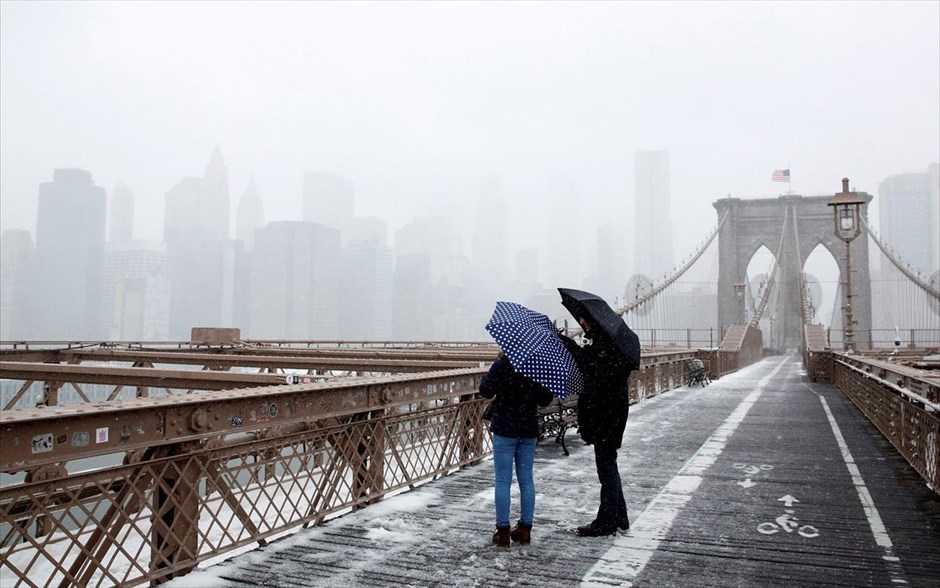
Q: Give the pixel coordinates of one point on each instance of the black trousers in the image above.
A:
(613, 508)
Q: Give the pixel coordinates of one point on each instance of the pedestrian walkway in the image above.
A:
(761, 479)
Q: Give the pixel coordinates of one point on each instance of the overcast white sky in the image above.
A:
(415, 102)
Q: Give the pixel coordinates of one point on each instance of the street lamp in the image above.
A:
(739, 291)
(846, 217)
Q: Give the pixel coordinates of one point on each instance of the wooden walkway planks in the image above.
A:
(438, 535)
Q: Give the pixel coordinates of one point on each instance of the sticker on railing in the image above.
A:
(42, 443)
(101, 435)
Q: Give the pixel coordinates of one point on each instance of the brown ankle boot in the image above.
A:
(501, 537)
(522, 533)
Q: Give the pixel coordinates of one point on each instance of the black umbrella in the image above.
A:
(599, 314)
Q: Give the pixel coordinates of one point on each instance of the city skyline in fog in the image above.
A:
(418, 104)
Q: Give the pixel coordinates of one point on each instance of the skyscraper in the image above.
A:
(652, 221)
(121, 218)
(294, 286)
(136, 292)
(490, 244)
(413, 299)
(367, 289)
(202, 261)
(250, 215)
(366, 283)
(908, 218)
(328, 200)
(184, 204)
(216, 208)
(201, 202)
(16, 257)
(70, 237)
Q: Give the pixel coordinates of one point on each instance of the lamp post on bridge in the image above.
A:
(739, 291)
(846, 217)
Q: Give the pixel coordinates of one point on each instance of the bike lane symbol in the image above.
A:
(751, 470)
(788, 523)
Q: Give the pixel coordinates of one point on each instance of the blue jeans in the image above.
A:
(522, 451)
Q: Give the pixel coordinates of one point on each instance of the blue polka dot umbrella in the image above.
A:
(534, 348)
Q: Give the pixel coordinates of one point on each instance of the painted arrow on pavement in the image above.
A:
(787, 500)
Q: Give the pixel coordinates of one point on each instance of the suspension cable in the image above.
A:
(675, 276)
(773, 273)
(804, 302)
(897, 263)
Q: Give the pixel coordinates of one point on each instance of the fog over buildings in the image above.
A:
(389, 170)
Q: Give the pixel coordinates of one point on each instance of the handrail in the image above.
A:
(917, 397)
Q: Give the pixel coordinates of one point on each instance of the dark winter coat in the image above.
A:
(604, 405)
(516, 399)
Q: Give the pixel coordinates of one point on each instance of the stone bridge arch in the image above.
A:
(755, 222)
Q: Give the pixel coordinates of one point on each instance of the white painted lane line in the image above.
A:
(630, 553)
(868, 505)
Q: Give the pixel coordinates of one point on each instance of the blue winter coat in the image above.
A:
(516, 399)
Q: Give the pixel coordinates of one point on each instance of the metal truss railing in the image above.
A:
(49, 372)
(195, 485)
(209, 473)
(901, 403)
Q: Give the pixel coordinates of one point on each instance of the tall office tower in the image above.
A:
(202, 262)
(652, 224)
(216, 209)
(431, 236)
(250, 215)
(366, 290)
(491, 239)
(203, 275)
(328, 200)
(122, 214)
(183, 209)
(16, 256)
(70, 237)
(412, 298)
(905, 217)
(567, 263)
(295, 276)
(610, 266)
(136, 292)
(370, 229)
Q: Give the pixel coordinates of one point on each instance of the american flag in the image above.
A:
(781, 175)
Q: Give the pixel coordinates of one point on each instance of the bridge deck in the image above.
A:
(759, 479)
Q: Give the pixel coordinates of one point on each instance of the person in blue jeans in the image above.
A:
(515, 431)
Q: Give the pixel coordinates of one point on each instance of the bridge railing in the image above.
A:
(918, 338)
(208, 473)
(901, 402)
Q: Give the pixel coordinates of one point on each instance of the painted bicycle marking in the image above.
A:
(788, 523)
(751, 469)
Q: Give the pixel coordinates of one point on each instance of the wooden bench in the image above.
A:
(557, 417)
(698, 373)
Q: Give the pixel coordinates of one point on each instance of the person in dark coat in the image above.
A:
(603, 408)
(515, 431)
